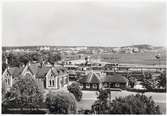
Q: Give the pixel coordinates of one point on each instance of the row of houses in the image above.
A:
(48, 77)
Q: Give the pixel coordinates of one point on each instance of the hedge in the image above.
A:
(146, 90)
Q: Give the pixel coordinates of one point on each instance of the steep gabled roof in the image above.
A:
(42, 72)
(12, 70)
(115, 78)
(91, 77)
(15, 71)
(59, 70)
(34, 68)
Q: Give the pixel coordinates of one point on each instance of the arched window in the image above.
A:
(8, 81)
(50, 83)
(53, 83)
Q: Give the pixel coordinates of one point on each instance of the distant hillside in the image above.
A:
(146, 47)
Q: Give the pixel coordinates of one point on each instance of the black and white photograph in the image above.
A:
(86, 57)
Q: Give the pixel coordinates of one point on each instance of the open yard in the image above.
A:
(90, 96)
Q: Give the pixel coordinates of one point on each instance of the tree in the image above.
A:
(75, 89)
(13, 60)
(36, 57)
(61, 102)
(4, 63)
(24, 94)
(134, 104)
(132, 81)
(4, 66)
(147, 75)
(149, 84)
(102, 105)
(162, 80)
(53, 58)
(25, 59)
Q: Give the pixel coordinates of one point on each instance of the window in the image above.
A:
(50, 83)
(53, 83)
(105, 85)
(81, 85)
(117, 85)
(8, 81)
(87, 85)
(94, 85)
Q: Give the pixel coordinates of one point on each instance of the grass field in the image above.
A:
(147, 58)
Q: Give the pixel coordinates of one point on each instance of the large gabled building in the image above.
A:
(47, 77)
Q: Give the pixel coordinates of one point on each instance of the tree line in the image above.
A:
(14, 59)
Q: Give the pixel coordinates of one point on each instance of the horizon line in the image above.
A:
(78, 45)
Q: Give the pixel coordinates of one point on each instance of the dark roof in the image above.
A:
(83, 79)
(42, 72)
(95, 78)
(15, 71)
(59, 70)
(34, 68)
(91, 77)
(115, 78)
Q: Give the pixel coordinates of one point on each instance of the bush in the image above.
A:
(134, 104)
(75, 89)
(146, 90)
(86, 111)
(61, 103)
(162, 80)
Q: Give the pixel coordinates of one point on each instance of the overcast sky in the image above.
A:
(83, 23)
